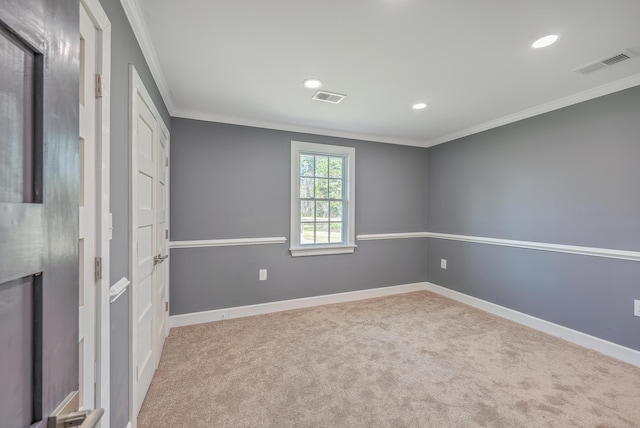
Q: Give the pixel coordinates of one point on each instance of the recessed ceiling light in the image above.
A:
(312, 83)
(419, 106)
(545, 41)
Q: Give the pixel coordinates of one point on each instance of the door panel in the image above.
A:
(38, 208)
(16, 317)
(17, 74)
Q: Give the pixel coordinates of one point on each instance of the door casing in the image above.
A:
(104, 227)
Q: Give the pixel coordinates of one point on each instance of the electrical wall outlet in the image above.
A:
(263, 275)
(443, 263)
(636, 308)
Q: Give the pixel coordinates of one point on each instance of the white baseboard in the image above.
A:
(285, 305)
(129, 425)
(610, 349)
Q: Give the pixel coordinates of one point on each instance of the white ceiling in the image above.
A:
(244, 61)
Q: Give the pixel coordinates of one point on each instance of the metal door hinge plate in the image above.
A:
(98, 268)
(98, 85)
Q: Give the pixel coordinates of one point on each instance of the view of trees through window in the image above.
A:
(321, 198)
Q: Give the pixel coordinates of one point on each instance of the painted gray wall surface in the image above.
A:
(567, 177)
(119, 394)
(231, 181)
(124, 51)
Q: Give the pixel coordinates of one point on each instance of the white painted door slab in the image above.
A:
(146, 128)
(88, 212)
(39, 50)
(149, 237)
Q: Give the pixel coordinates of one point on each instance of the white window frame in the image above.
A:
(348, 209)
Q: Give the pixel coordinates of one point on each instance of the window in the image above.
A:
(322, 199)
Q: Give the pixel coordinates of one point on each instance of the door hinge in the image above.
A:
(98, 268)
(166, 234)
(166, 306)
(166, 161)
(98, 85)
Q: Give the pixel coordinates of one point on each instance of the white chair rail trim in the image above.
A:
(227, 242)
(531, 245)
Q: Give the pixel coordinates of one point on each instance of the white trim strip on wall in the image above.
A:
(286, 305)
(377, 236)
(605, 347)
(227, 242)
(598, 91)
(139, 27)
(558, 248)
(531, 245)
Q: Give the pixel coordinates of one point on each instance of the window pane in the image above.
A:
(306, 165)
(322, 166)
(322, 188)
(336, 211)
(322, 211)
(322, 233)
(307, 210)
(335, 167)
(307, 233)
(335, 232)
(306, 187)
(335, 189)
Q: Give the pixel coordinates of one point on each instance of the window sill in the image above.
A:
(321, 251)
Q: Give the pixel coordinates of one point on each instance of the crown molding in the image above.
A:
(234, 120)
(598, 91)
(134, 15)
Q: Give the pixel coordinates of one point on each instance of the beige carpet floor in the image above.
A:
(411, 360)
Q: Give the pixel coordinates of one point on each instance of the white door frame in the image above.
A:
(103, 150)
(137, 90)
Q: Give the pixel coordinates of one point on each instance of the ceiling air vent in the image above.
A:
(328, 97)
(607, 62)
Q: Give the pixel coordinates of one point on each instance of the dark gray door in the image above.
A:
(39, 46)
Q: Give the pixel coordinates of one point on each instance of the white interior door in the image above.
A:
(162, 270)
(145, 145)
(149, 236)
(88, 212)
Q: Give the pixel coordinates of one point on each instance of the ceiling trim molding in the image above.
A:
(589, 94)
(134, 15)
(232, 120)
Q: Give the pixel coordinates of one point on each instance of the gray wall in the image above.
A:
(124, 51)
(566, 177)
(231, 181)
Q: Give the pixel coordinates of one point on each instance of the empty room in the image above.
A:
(380, 213)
